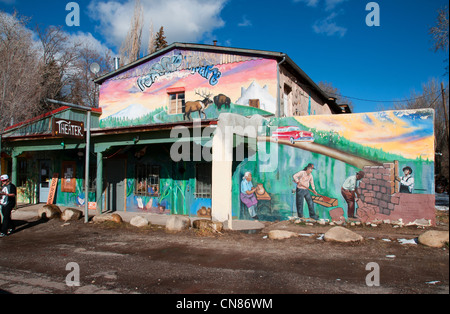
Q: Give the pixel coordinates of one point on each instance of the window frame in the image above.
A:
(179, 102)
(150, 176)
(203, 178)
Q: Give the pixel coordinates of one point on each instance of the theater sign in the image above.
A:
(68, 128)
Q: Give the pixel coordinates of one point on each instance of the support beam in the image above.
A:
(14, 170)
(99, 192)
(222, 163)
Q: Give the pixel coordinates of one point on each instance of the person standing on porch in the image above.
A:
(304, 180)
(7, 204)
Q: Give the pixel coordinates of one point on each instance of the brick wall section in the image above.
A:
(377, 188)
(380, 200)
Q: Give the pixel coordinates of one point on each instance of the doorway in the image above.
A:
(44, 180)
(115, 174)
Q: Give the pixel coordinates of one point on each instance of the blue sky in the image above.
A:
(328, 39)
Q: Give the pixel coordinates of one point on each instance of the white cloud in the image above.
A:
(245, 22)
(87, 40)
(309, 3)
(183, 20)
(8, 1)
(331, 4)
(329, 27)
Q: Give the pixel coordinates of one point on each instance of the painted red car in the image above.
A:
(292, 134)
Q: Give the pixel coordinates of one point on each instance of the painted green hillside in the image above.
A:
(338, 142)
(160, 115)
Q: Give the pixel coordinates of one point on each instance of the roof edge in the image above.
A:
(203, 47)
(242, 51)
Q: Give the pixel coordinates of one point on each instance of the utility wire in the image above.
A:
(385, 101)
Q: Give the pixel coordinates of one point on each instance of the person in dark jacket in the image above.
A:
(7, 203)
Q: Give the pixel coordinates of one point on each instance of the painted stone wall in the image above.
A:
(379, 144)
(219, 82)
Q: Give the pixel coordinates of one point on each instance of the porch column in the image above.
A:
(228, 126)
(222, 166)
(222, 162)
(14, 169)
(99, 192)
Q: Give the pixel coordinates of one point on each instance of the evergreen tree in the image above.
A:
(160, 40)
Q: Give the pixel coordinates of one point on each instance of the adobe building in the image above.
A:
(177, 131)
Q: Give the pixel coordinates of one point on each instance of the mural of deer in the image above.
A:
(198, 105)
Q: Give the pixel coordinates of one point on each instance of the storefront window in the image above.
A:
(93, 178)
(147, 180)
(22, 174)
(204, 180)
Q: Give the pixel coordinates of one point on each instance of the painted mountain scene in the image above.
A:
(183, 85)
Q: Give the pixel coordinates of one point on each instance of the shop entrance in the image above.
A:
(115, 173)
(44, 180)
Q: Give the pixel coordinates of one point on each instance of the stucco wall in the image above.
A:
(302, 101)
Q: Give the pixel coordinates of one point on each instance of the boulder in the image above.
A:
(434, 238)
(281, 234)
(50, 212)
(107, 217)
(176, 223)
(208, 224)
(139, 221)
(71, 214)
(341, 234)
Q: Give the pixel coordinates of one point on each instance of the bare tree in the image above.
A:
(58, 57)
(131, 46)
(439, 33)
(151, 48)
(82, 88)
(336, 93)
(431, 97)
(19, 68)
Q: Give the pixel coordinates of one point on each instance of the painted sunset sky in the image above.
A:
(406, 133)
(116, 95)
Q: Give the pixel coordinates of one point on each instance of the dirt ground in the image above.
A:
(124, 259)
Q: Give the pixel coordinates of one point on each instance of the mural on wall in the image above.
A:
(358, 167)
(182, 85)
(157, 185)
